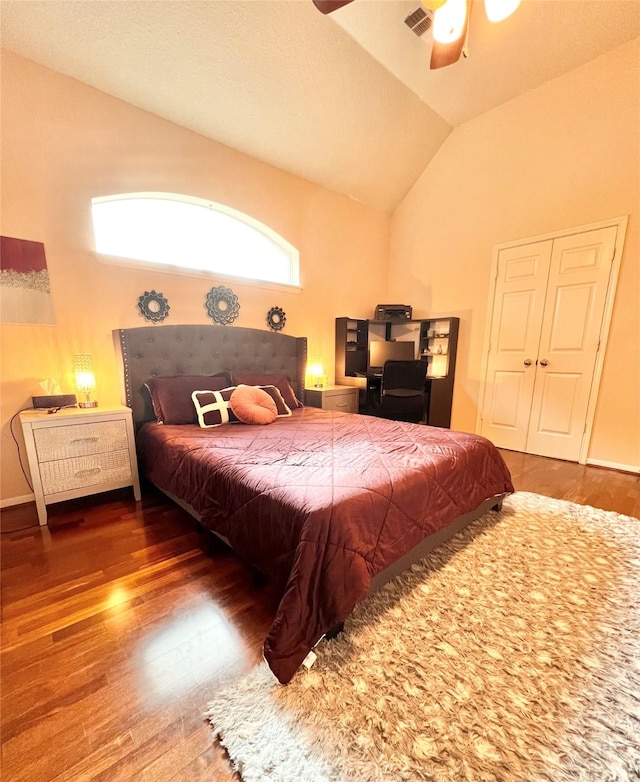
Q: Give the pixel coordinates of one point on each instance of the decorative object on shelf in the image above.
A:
(153, 306)
(222, 305)
(276, 319)
(85, 379)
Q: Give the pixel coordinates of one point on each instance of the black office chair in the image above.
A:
(403, 392)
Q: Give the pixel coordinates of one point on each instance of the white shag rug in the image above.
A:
(510, 654)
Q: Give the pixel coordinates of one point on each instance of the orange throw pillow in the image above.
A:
(252, 405)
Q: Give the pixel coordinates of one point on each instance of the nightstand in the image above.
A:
(344, 399)
(76, 452)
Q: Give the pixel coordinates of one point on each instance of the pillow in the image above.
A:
(213, 408)
(281, 405)
(281, 382)
(171, 395)
(253, 405)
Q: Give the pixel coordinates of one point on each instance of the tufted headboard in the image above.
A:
(153, 351)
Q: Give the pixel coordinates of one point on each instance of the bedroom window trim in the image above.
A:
(260, 235)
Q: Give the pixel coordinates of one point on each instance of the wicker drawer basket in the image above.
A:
(102, 468)
(64, 442)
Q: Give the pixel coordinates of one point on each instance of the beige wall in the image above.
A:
(563, 155)
(64, 142)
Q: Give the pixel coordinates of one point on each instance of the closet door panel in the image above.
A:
(575, 300)
(515, 335)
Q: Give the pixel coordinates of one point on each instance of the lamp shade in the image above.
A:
(85, 378)
(315, 371)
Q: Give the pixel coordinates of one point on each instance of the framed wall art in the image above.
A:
(25, 295)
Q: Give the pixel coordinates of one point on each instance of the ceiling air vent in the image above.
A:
(419, 21)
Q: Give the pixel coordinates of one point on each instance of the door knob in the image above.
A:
(528, 362)
(544, 362)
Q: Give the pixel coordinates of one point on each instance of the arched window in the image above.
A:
(188, 233)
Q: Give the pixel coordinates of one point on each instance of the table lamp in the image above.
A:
(85, 379)
(316, 374)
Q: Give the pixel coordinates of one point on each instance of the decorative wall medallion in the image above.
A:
(222, 305)
(153, 306)
(276, 319)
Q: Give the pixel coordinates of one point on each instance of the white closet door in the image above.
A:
(575, 300)
(518, 311)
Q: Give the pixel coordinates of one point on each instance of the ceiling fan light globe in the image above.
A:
(449, 21)
(433, 5)
(498, 10)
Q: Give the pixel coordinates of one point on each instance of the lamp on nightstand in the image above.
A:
(316, 374)
(85, 379)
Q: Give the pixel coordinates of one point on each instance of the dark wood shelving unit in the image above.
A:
(439, 345)
(436, 339)
(352, 347)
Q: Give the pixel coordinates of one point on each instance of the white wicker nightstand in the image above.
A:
(74, 452)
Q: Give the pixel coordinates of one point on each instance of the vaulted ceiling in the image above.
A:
(345, 100)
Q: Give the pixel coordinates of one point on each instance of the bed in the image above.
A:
(328, 505)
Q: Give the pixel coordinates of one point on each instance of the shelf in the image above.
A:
(354, 335)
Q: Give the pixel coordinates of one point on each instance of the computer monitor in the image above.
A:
(380, 352)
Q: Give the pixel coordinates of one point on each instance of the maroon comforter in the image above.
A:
(322, 502)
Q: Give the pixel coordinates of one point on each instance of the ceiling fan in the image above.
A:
(450, 23)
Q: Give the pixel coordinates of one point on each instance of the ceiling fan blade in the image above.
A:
(446, 51)
(327, 6)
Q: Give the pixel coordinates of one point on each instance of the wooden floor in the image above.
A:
(119, 621)
(596, 486)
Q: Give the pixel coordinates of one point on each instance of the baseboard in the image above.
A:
(614, 466)
(11, 501)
